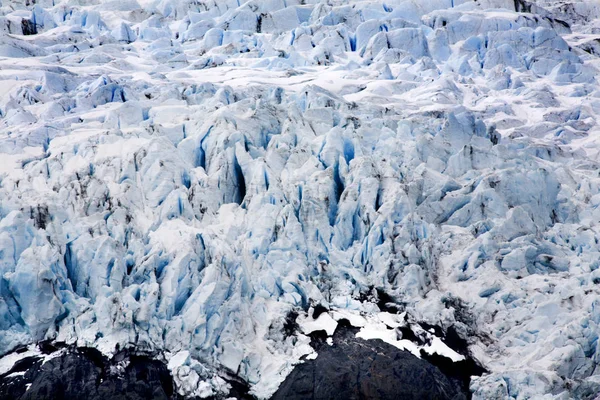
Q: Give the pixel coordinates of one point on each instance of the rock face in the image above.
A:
(353, 368)
(86, 374)
(346, 367)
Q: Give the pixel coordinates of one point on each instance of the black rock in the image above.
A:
(87, 374)
(353, 368)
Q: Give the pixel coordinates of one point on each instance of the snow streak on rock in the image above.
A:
(183, 176)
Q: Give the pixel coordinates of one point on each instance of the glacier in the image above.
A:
(182, 176)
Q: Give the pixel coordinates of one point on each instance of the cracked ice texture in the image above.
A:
(179, 175)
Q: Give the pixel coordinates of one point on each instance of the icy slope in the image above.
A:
(182, 175)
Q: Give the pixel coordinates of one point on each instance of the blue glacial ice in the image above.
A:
(181, 175)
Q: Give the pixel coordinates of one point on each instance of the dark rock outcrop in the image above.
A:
(86, 374)
(354, 368)
(351, 368)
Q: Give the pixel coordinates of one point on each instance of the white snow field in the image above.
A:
(180, 175)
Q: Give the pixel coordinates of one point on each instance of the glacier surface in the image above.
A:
(183, 175)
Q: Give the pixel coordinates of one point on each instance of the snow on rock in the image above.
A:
(192, 177)
(324, 322)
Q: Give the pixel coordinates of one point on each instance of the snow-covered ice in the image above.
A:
(188, 176)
